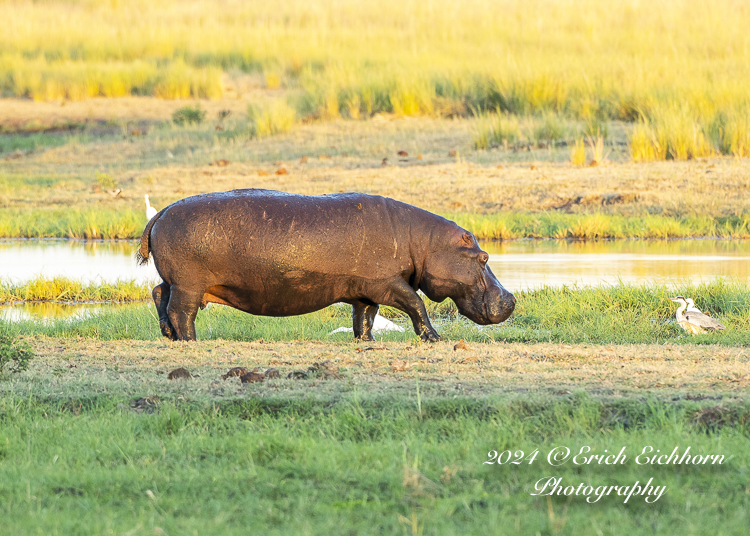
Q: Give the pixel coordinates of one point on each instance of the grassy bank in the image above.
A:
(95, 438)
(72, 223)
(66, 290)
(118, 224)
(593, 226)
(623, 314)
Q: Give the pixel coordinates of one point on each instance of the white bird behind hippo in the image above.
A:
(150, 211)
(379, 325)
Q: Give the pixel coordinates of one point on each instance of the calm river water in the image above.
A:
(522, 264)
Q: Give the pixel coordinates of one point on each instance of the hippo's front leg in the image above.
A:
(402, 296)
(363, 316)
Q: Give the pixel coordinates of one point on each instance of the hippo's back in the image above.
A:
(262, 234)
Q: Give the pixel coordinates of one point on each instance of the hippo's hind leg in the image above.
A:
(161, 299)
(182, 310)
(363, 316)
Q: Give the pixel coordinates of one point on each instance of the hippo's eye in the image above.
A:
(483, 258)
(468, 239)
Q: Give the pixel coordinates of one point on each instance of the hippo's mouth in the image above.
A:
(505, 306)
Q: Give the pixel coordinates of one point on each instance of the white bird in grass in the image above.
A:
(379, 325)
(150, 211)
(694, 321)
(691, 308)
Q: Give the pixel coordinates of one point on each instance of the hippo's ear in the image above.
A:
(467, 239)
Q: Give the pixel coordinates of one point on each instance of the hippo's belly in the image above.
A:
(293, 292)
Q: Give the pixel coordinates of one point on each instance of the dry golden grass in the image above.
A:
(606, 371)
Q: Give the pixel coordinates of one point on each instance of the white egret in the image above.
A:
(691, 308)
(379, 325)
(150, 211)
(694, 321)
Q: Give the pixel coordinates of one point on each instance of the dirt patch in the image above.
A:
(554, 369)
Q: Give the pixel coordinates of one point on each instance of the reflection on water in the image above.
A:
(89, 261)
(522, 264)
(527, 264)
(43, 312)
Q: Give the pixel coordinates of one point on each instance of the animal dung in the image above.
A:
(399, 365)
(403, 153)
(235, 372)
(324, 370)
(281, 171)
(147, 403)
(453, 154)
(460, 345)
(179, 374)
(262, 173)
(252, 377)
(272, 373)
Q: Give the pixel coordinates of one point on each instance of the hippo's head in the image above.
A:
(459, 271)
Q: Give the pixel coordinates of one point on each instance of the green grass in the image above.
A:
(507, 130)
(91, 223)
(593, 226)
(109, 223)
(30, 142)
(386, 465)
(620, 314)
(67, 290)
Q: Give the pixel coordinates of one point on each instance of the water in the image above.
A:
(523, 264)
(44, 312)
(91, 261)
(527, 264)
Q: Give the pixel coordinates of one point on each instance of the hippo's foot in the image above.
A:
(430, 336)
(365, 337)
(166, 330)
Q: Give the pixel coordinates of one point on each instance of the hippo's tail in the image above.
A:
(141, 256)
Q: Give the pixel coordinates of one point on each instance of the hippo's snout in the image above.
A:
(499, 304)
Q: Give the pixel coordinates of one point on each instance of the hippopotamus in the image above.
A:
(280, 254)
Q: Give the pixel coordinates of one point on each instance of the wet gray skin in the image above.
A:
(278, 254)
